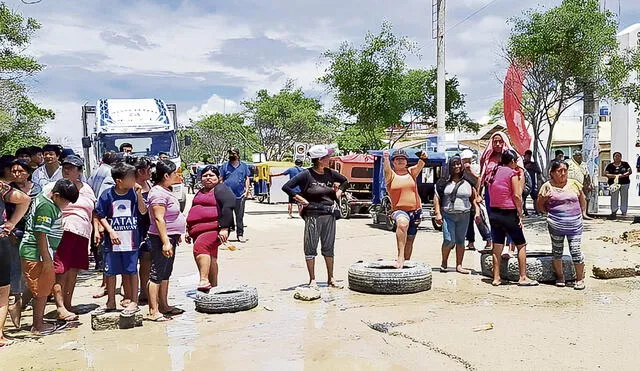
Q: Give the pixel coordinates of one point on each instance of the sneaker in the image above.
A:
(241, 239)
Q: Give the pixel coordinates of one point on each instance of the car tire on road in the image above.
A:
(227, 300)
(381, 277)
(539, 268)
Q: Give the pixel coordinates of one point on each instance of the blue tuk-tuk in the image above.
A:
(381, 208)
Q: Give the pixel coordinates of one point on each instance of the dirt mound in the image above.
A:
(632, 236)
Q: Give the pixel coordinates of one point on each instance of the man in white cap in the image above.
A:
(472, 175)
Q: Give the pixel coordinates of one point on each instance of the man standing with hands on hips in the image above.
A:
(235, 175)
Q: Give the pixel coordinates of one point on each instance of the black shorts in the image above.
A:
(505, 222)
(161, 266)
(5, 261)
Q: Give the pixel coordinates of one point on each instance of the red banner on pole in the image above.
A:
(513, 115)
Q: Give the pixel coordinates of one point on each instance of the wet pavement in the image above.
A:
(461, 323)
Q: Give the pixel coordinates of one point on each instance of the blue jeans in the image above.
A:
(454, 227)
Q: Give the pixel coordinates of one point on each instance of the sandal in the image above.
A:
(103, 310)
(579, 285)
(130, 311)
(496, 283)
(335, 285)
(160, 318)
(561, 283)
(175, 311)
(528, 283)
(443, 269)
(204, 288)
(69, 318)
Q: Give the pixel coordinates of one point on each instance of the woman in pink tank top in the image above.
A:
(403, 191)
(505, 190)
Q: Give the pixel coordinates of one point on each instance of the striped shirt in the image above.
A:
(44, 216)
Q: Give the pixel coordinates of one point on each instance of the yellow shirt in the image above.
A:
(577, 171)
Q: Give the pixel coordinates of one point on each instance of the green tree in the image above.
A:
(561, 51)
(213, 135)
(22, 120)
(282, 119)
(355, 139)
(372, 84)
(496, 112)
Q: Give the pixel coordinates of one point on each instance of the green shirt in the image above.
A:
(44, 216)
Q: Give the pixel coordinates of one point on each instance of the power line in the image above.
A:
(471, 15)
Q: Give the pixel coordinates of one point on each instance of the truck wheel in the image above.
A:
(227, 300)
(387, 211)
(345, 208)
(382, 277)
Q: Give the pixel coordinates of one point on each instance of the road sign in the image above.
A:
(300, 151)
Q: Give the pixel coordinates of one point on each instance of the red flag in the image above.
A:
(513, 115)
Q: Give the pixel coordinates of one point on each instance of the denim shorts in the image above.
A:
(415, 217)
(454, 227)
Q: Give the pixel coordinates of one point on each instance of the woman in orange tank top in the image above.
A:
(403, 191)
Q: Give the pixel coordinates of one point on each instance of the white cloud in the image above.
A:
(215, 104)
(67, 124)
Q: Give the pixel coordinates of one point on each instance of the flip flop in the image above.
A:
(204, 288)
(6, 343)
(130, 312)
(496, 284)
(335, 285)
(443, 269)
(158, 319)
(560, 284)
(102, 295)
(528, 283)
(69, 318)
(101, 311)
(55, 328)
(175, 311)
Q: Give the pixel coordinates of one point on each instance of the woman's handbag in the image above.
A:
(615, 187)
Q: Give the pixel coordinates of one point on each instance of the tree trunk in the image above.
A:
(591, 144)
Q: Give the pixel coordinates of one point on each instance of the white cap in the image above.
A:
(319, 151)
(467, 153)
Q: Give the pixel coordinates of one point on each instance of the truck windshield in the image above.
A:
(144, 144)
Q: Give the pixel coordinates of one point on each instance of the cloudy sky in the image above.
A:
(208, 56)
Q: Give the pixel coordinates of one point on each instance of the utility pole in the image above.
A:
(440, 93)
(591, 144)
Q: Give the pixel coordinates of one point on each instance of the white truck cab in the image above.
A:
(149, 125)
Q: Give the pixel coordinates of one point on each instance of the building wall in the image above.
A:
(625, 128)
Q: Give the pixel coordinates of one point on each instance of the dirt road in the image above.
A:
(533, 328)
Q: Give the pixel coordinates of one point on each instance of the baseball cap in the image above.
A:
(578, 152)
(73, 160)
(319, 151)
(467, 153)
(298, 162)
(399, 153)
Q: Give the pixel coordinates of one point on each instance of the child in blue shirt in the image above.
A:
(118, 209)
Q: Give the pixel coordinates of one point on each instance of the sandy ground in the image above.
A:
(533, 328)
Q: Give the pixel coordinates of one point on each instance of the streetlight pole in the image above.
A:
(440, 88)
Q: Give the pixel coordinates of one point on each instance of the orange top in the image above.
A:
(403, 192)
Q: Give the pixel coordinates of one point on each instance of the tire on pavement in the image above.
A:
(227, 300)
(539, 268)
(381, 277)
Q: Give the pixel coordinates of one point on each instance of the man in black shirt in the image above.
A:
(618, 172)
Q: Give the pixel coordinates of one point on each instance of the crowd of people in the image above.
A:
(125, 214)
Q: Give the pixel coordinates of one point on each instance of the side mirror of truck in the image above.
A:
(86, 142)
(187, 140)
